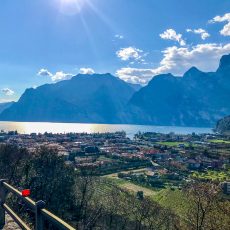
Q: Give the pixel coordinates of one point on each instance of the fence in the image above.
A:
(38, 208)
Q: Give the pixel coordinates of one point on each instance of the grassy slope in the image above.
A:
(133, 187)
(173, 199)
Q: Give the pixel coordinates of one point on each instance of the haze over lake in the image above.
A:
(131, 130)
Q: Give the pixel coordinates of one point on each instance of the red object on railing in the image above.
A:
(26, 192)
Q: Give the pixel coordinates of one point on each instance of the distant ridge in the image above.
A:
(196, 99)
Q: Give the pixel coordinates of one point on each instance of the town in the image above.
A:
(148, 161)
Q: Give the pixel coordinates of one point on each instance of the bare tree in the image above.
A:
(202, 198)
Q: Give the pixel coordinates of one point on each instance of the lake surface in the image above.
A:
(131, 130)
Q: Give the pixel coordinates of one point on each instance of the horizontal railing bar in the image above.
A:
(27, 200)
(32, 205)
(56, 220)
(15, 217)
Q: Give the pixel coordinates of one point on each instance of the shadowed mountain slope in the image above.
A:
(195, 99)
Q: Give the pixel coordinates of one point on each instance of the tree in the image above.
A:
(13, 162)
(203, 199)
(87, 209)
(51, 180)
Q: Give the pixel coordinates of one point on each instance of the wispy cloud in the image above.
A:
(5, 100)
(203, 33)
(119, 36)
(58, 76)
(171, 34)
(225, 18)
(7, 91)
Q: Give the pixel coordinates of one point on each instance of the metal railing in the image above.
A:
(41, 214)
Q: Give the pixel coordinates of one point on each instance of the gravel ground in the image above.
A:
(10, 224)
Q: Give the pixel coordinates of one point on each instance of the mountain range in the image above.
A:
(195, 99)
(96, 98)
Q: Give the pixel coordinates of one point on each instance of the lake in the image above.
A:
(131, 130)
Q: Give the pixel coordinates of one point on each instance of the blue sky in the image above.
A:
(44, 41)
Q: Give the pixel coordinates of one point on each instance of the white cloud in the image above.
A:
(44, 72)
(5, 100)
(118, 36)
(135, 75)
(58, 76)
(203, 33)
(225, 18)
(178, 60)
(7, 91)
(128, 53)
(171, 34)
(86, 71)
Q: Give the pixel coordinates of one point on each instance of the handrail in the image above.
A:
(26, 200)
(15, 217)
(37, 208)
(56, 220)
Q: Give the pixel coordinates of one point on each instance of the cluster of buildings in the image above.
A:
(113, 152)
(81, 149)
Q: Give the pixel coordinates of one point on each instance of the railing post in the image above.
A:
(2, 201)
(39, 219)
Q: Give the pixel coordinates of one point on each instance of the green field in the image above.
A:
(172, 143)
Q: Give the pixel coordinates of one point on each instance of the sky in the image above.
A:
(46, 41)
